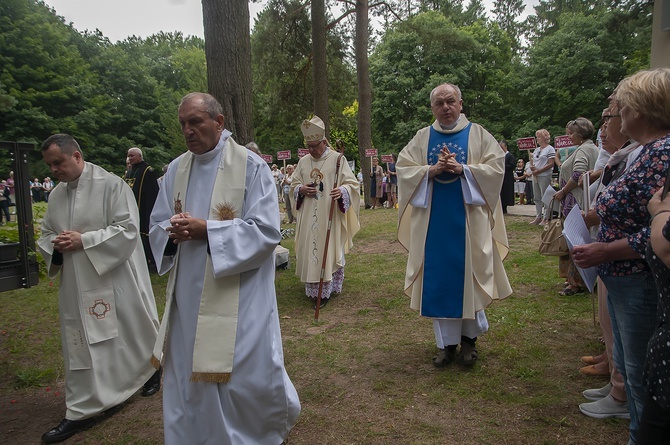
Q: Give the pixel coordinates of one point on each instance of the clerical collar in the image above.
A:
(452, 126)
(75, 182)
(208, 156)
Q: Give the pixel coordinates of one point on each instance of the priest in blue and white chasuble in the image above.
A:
(452, 225)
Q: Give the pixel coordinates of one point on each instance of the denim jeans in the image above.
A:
(632, 304)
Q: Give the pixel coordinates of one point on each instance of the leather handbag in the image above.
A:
(552, 241)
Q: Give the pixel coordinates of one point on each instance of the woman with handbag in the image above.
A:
(580, 161)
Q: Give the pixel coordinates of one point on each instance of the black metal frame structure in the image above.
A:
(22, 270)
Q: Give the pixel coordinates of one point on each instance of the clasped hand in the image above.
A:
(446, 162)
(185, 228)
(67, 241)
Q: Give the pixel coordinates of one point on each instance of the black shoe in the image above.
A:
(66, 429)
(468, 355)
(152, 385)
(444, 357)
(324, 301)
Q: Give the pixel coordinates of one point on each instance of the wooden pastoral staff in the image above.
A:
(340, 148)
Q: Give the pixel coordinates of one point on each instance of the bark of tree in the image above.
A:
(364, 90)
(228, 53)
(320, 68)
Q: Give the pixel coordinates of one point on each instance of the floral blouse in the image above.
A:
(622, 206)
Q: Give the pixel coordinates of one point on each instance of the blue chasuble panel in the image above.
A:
(444, 261)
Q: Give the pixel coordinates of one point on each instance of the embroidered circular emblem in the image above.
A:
(225, 211)
(99, 308)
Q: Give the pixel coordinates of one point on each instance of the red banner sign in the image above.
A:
(526, 143)
(281, 155)
(370, 152)
(302, 152)
(387, 158)
(267, 158)
(563, 141)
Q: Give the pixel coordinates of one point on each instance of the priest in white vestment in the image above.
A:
(108, 317)
(214, 227)
(316, 182)
(451, 222)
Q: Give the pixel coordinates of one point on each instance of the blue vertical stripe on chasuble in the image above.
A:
(444, 262)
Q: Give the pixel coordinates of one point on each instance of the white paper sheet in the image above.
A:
(576, 233)
(548, 195)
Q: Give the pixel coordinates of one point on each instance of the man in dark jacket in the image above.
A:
(144, 181)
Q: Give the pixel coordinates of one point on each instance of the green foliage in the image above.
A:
(583, 50)
(282, 76)
(425, 51)
(560, 63)
(572, 71)
(109, 96)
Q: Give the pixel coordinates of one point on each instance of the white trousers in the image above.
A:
(448, 331)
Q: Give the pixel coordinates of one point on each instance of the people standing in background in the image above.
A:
(519, 181)
(36, 190)
(47, 186)
(4, 201)
(620, 254)
(286, 191)
(11, 185)
(376, 175)
(507, 189)
(610, 400)
(143, 179)
(541, 167)
(280, 179)
(570, 193)
(392, 185)
(528, 175)
(276, 175)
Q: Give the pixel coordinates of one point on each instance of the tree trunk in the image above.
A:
(364, 91)
(320, 68)
(228, 53)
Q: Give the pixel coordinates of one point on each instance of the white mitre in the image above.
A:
(313, 129)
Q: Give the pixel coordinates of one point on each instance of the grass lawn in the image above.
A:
(363, 371)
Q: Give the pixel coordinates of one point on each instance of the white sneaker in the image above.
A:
(597, 394)
(605, 408)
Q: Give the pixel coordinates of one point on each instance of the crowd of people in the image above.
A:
(626, 173)
(212, 221)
